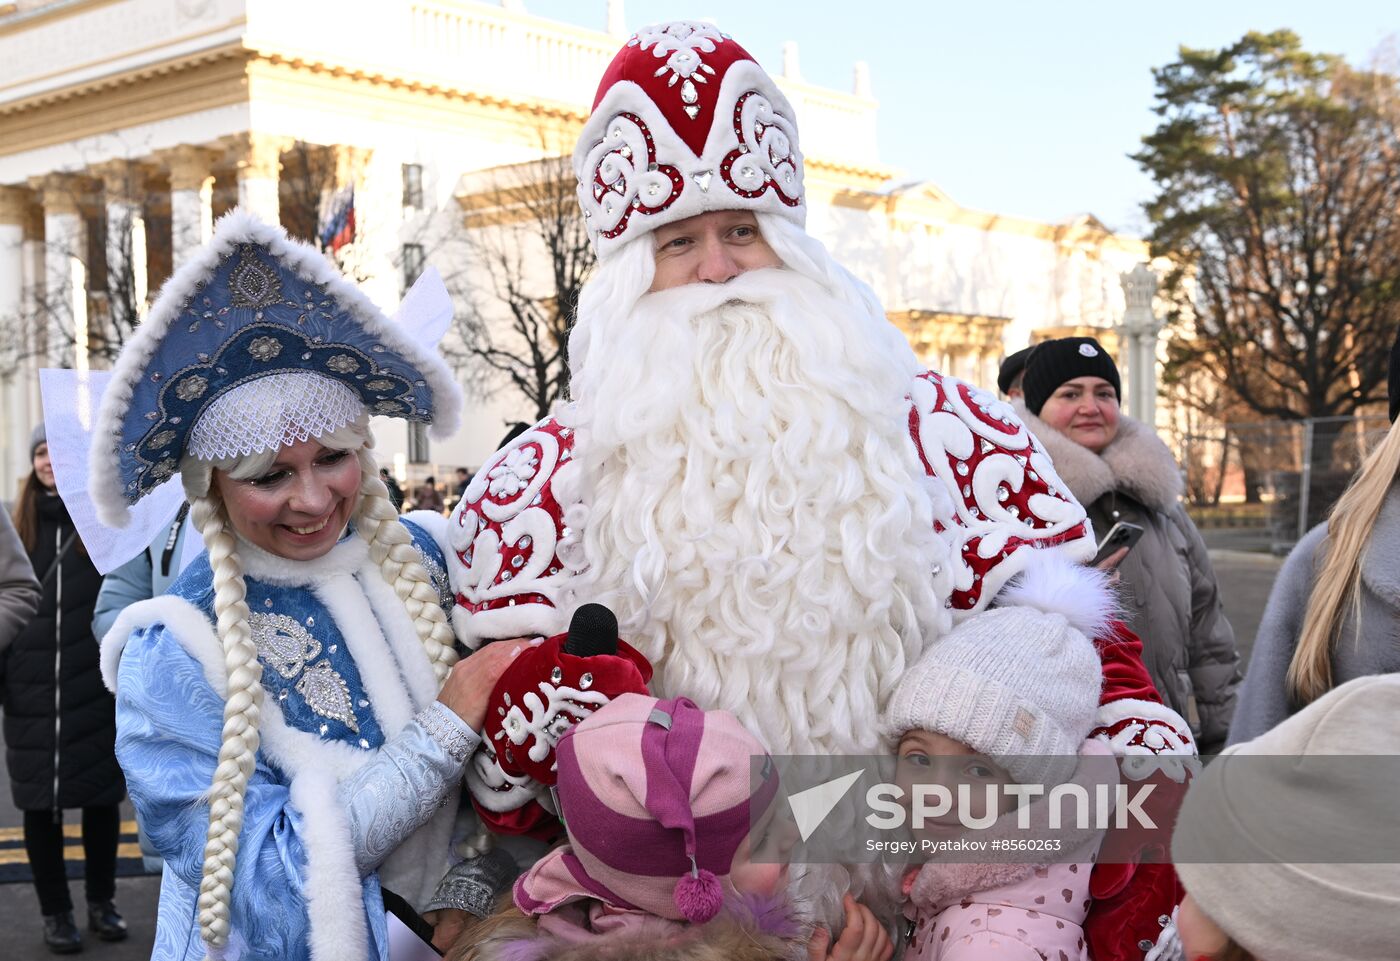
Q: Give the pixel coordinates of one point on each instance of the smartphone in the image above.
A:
(1120, 536)
(410, 937)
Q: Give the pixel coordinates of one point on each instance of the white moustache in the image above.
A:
(761, 288)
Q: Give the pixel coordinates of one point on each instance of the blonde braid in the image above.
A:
(391, 547)
(239, 748)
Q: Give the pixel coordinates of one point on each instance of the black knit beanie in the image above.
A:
(1055, 361)
(1393, 386)
(1011, 367)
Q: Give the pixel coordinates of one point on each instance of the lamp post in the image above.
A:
(1138, 334)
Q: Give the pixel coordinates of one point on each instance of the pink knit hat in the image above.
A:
(655, 796)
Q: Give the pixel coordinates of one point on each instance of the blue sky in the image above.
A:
(1013, 107)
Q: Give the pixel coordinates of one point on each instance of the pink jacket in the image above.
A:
(1009, 912)
(1039, 917)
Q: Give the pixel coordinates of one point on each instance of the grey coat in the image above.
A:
(19, 589)
(1264, 700)
(1167, 584)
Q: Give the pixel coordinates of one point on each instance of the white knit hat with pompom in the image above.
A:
(1020, 682)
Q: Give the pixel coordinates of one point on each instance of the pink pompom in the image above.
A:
(699, 896)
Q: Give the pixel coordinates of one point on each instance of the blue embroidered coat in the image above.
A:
(349, 791)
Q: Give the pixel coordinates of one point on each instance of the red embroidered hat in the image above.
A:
(685, 122)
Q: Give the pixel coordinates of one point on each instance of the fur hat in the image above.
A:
(656, 797)
(685, 122)
(1300, 789)
(1053, 362)
(1019, 683)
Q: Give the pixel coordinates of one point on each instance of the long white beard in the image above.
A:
(755, 511)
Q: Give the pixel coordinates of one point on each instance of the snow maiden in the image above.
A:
(289, 716)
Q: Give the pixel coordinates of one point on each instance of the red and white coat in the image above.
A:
(513, 556)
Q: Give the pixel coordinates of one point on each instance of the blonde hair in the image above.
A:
(1335, 588)
(390, 547)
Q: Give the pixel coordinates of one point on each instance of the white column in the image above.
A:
(259, 164)
(860, 79)
(124, 185)
(792, 68)
(63, 303)
(1138, 336)
(191, 200)
(617, 20)
(17, 416)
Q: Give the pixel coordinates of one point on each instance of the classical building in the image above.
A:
(127, 126)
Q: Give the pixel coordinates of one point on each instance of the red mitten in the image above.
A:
(545, 691)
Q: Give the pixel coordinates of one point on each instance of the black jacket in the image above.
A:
(60, 722)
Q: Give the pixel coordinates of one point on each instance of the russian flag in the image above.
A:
(338, 226)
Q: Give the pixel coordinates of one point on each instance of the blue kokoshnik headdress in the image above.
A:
(256, 343)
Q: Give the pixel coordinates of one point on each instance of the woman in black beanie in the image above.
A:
(1120, 470)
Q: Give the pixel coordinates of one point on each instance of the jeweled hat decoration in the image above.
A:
(257, 342)
(685, 122)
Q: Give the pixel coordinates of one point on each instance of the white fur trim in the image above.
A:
(346, 557)
(1053, 584)
(241, 227)
(532, 619)
(1151, 739)
(184, 621)
(1132, 707)
(359, 628)
(402, 636)
(335, 903)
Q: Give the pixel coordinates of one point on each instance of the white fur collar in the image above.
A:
(1136, 463)
(344, 558)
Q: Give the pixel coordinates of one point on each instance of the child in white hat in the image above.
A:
(1009, 697)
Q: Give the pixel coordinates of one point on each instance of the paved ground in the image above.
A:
(1245, 579)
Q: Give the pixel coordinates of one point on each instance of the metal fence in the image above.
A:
(1262, 485)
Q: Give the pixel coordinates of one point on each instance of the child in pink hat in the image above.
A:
(661, 864)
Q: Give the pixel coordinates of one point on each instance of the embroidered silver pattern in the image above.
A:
(265, 348)
(254, 283)
(191, 388)
(328, 695)
(282, 643)
(438, 576)
(457, 744)
(343, 364)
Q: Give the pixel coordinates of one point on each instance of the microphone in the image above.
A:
(592, 631)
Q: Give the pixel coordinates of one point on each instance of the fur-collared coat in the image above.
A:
(1167, 585)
